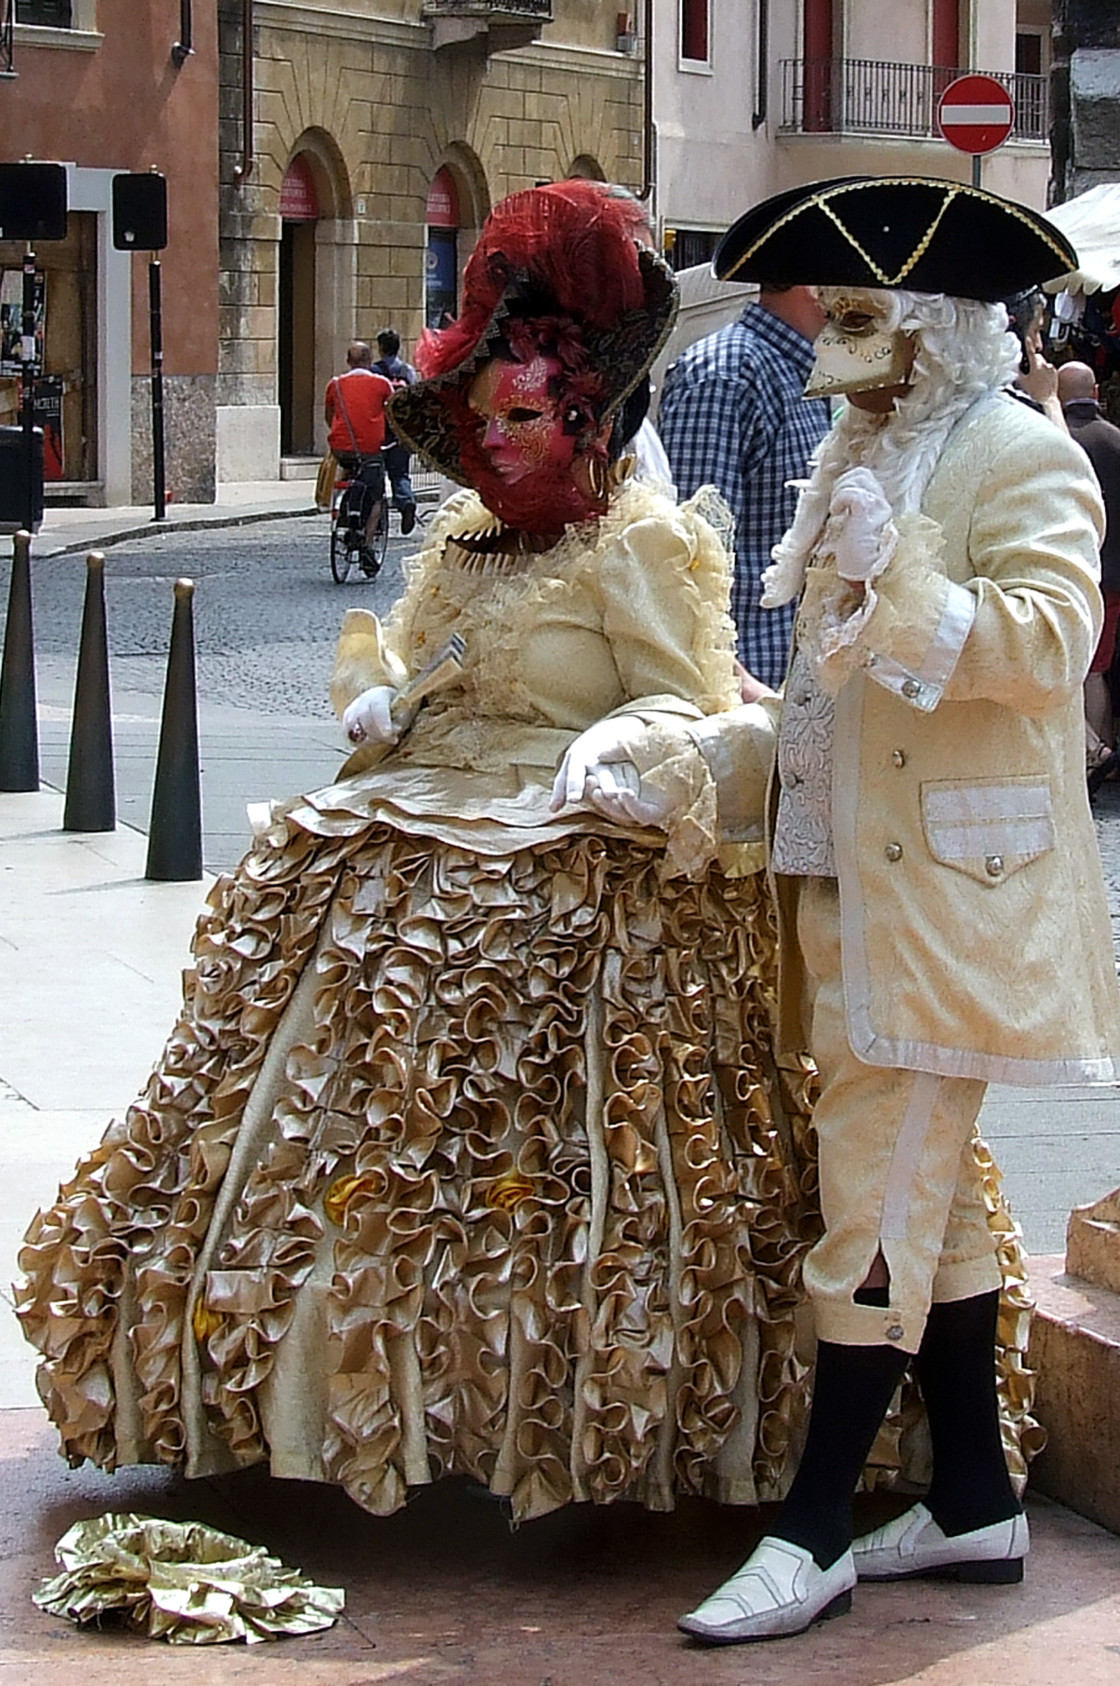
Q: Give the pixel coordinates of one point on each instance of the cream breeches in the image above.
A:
(897, 1170)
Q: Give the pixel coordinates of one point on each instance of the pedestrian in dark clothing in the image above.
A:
(1100, 440)
(395, 455)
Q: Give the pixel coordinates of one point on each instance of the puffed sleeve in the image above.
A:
(365, 657)
(371, 654)
(665, 589)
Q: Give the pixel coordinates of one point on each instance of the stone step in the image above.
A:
(1075, 1348)
(299, 468)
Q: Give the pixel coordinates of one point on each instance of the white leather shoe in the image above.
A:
(779, 1590)
(913, 1544)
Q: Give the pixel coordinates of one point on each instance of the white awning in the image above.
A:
(1092, 223)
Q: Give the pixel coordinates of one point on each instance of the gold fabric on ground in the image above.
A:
(183, 1582)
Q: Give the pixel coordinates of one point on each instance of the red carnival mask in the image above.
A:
(523, 429)
(524, 425)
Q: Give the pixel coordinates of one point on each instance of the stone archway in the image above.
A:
(317, 286)
(457, 205)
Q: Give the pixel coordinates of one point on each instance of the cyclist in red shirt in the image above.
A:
(354, 410)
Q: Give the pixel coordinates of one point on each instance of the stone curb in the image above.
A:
(189, 524)
(152, 529)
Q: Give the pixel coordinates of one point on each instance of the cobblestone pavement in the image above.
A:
(1106, 813)
(266, 612)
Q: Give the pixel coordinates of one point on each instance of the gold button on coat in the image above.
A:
(993, 866)
(898, 756)
(893, 851)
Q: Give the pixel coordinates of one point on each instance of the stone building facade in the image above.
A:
(102, 85)
(382, 133)
(1086, 78)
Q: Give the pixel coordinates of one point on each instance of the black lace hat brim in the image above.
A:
(622, 354)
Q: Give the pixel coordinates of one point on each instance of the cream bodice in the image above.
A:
(635, 607)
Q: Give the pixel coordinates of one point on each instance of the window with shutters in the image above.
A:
(56, 14)
(696, 31)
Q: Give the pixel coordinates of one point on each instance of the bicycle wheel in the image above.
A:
(342, 556)
(375, 552)
(381, 538)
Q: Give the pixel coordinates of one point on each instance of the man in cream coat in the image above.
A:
(943, 914)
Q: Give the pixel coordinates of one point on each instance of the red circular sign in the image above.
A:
(976, 114)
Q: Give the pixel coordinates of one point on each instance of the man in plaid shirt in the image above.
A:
(732, 415)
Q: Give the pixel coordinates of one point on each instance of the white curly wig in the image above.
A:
(962, 352)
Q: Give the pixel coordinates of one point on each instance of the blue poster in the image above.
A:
(441, 277)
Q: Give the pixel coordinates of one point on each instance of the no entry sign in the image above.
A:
(976, 114)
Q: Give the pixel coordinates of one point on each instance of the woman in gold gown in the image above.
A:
(468, 1152)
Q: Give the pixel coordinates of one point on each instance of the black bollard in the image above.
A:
(19, 736)
(90, 794)
(175, 832)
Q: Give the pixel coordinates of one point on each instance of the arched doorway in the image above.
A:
(299, 214)
(441, 267)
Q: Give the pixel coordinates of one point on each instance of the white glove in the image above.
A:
(863, 533)
(368, 718)
(599, 772)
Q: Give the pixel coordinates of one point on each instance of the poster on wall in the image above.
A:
(48, 416)
(440, 278)
(11, 319)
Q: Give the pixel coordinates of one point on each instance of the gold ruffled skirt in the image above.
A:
(452, 1164)
(456, 1163)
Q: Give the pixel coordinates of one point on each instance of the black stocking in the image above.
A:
(956, 1371)
(852, 1391)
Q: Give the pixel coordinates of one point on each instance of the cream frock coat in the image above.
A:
(974, 925)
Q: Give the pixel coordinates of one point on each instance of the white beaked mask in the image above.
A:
(859, 349)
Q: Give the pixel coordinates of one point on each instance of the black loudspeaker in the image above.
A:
(33, 202)
(140, 212)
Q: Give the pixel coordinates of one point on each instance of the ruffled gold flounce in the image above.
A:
(453, 1163)
(499, 1187)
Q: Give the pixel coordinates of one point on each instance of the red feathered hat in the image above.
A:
(563, 268)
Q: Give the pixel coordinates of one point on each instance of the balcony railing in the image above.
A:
(870, 97)
(500, 11)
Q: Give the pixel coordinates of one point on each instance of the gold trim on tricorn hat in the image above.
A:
(921, 232)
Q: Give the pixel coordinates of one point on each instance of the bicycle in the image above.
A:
(350, 505)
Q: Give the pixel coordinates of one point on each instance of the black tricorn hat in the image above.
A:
(919, 232)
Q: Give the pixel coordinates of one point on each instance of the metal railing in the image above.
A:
(540, 10)
(874, 97)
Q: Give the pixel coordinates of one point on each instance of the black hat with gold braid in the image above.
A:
(920, 232)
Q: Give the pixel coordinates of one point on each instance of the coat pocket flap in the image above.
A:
(990, 829)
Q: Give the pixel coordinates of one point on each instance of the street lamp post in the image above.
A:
(140, 225)
(155, 313)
